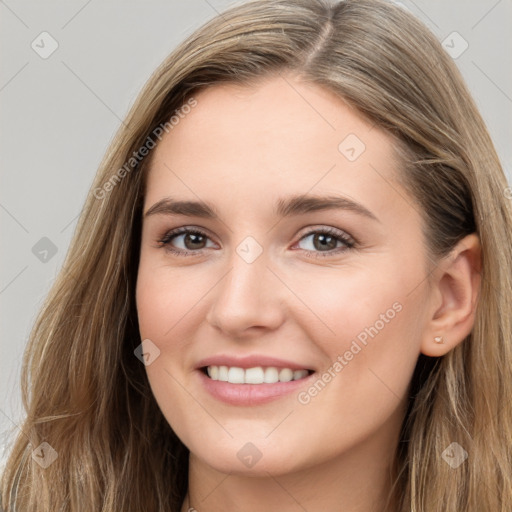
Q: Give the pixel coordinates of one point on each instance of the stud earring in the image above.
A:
(438, 339)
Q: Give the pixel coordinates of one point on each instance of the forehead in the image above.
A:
(279, 134)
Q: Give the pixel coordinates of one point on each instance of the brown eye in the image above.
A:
(185, 241)
(322, 241)
(193, 241)
(327, 242)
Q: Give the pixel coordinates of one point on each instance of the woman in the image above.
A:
(341, 336)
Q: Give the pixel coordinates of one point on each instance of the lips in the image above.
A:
(251, 380)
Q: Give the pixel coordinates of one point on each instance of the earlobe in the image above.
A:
(457, 283)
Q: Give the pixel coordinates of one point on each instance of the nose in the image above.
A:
(249, 298)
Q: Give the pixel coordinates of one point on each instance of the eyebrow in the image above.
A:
(285, 207)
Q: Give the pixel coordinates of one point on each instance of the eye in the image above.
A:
(327, 241)
(323, 242)
(192, 241)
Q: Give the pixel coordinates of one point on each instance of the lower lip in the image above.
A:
(250, 394)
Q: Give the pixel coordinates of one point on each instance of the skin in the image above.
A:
(240, 149)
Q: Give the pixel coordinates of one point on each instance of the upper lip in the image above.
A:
(250, 361)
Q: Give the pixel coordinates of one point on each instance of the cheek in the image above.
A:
(370, 356)
(155, 307)
(164, 299)
(163, 309)
(348, 301)
(371, 319)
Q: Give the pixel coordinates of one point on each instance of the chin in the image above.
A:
(256, 459)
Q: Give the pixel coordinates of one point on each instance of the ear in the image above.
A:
(455, 289)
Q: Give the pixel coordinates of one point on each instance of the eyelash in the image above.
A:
(349, 242)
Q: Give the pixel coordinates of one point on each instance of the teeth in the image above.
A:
(271, 375)
(223, 373)
(213, 372)
(285, 375)
(236, 375)
(300, 374)
(256, 375)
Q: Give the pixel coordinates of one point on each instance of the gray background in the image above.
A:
(60, 114)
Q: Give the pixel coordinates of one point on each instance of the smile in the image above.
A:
(252, 386)
(255, 375)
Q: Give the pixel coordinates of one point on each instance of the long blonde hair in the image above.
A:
(87, 395)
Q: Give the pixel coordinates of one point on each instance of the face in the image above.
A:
(303, 260)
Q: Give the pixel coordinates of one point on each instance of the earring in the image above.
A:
(438, 339)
